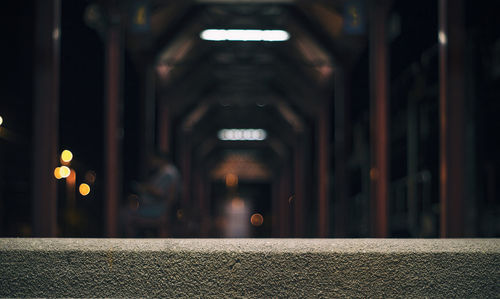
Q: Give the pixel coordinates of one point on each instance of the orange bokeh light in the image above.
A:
(231, 180)
(84, 189)
(256, 219)
(57, 173)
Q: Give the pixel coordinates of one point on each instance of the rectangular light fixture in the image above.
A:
(253, 35)
(242, 134)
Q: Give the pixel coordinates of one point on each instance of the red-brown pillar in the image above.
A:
(379, 172)
(342, 136)
(323, 169)
(204, 203)
(199, 196)
(113, 133)
(186, 169)
(284, 202)
(46, 117)
(148, 117)
(163, 135)
(299, 187)
(276, 218)
(451, 116)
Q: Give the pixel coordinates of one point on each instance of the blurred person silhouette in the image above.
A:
(156, 197)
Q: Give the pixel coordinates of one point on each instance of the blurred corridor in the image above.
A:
(342, 118)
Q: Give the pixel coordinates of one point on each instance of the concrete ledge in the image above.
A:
(259, 268)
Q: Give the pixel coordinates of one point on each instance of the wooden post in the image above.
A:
(379, 172)
(46, 117)
(451, 116)
(113, 133)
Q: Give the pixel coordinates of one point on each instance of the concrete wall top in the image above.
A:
(258, 245)
(250, 268)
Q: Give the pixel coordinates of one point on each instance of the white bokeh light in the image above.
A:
(254, 35)
(242, 134)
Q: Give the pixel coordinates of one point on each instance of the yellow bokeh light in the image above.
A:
(66, 156)
(1, 120)
(84, 189)
(64, 171)
(57, 173)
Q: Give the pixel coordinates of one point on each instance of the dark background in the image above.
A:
(412, 53)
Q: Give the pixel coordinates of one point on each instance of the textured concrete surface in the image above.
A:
(250, 268)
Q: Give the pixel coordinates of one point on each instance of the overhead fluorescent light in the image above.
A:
(244, 35)
(242, 134)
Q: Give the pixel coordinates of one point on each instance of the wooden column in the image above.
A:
(113, 132)
(342, 147)
(379, 172)
(451, 117)
(323, 169)
(46, 117)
